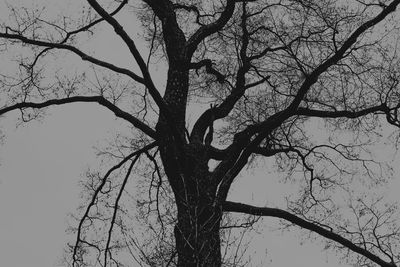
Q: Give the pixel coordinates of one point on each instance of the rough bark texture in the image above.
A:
(197, 234)
(197, 230)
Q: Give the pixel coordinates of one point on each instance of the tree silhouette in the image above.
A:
(262, 74)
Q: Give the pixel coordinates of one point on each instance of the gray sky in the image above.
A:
(40, 168)
(41, 164)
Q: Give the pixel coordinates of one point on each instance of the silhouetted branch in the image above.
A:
(96, 193)
(95, 99)
(229, 206)
(116, 207)
(136, 54)
(74, 50)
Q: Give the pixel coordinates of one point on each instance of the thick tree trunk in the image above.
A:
(197, 235)
(197, 232)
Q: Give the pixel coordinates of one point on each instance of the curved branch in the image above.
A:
(340, 114)
(97, 99)
(148, 82)
(76, 51)
(136, 54)
(93, 23)
(313, 77)
(207, 63)
(279, 117)
(229, 206)
(269, 152)
(116, 206)
(98, 190)
(263, 129)
(223, 109)
(207, 30)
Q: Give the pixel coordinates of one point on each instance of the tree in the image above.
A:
(262, 73)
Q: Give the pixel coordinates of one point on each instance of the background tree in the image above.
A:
(258, 76)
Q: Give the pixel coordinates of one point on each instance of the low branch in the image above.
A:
(96, 99)
(116, 207)
(98, 190)
(229, 206)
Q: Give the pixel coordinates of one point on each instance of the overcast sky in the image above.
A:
(42, 162)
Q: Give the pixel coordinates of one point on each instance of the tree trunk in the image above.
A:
(197, 235)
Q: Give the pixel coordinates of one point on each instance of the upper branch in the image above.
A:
(98, 99)
(282, 214)
(263, 129)
(238, 91)
(278, 118)
(95, 22)
(73, 49)
(207, 63)
(68, 34)
(207, 30)
(313, 77)
(341, 113)
(174, 37)
(136, 54)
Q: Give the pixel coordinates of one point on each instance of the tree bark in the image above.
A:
(197, 236)
(197, 233)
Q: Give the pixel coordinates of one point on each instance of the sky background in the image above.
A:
(41, 164)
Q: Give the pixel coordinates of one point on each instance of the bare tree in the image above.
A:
(262, 73)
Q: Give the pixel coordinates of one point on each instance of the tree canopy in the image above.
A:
(214, 89)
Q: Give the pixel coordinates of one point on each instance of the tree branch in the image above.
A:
(209, 69)
(263, 129)
(93, 23)
(76, 31)
(207, 30)
(97, 99)
(341, 113)
(229, 206)
(237, 92)
(279, 117)
(98, 190)
(76, 51)
(116, 207)
(313, 77)
(136, 54)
